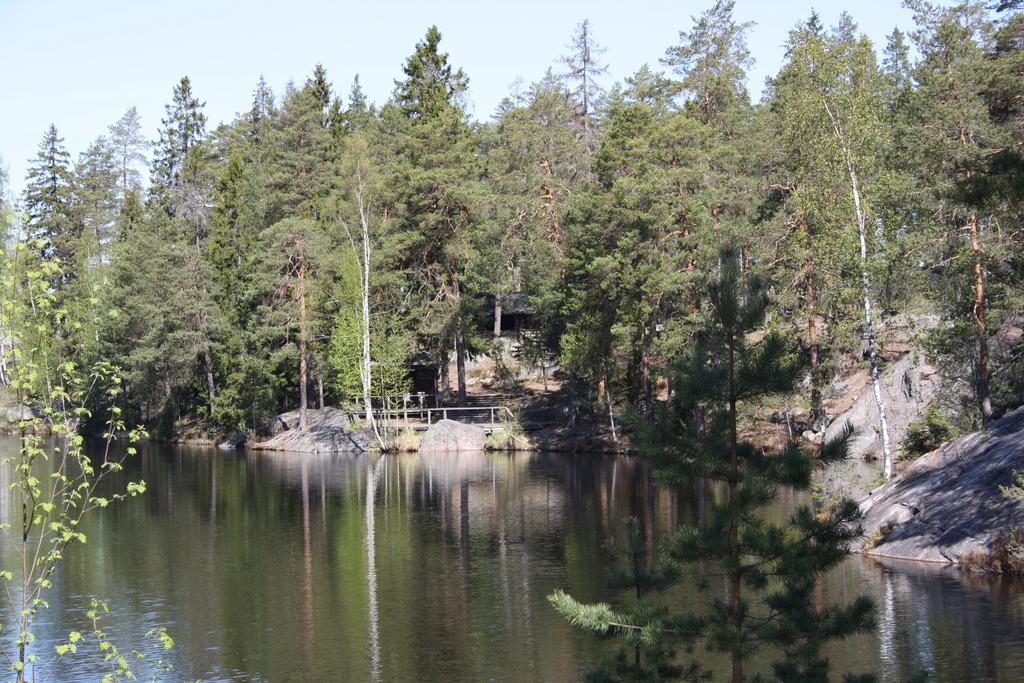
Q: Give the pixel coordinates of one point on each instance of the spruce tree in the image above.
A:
(261, 113)
(359, 114)
(771, 569)
(431, 86)
(97, 176)
(184, 127)
(583, 69)
(299, 172)
(320, 88)
(47, 203)
(436, 174)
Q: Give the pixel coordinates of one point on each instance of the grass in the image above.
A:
(407, 441)
(1006, 556)
(511, 438)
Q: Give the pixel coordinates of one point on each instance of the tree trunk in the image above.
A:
(303, 361)
(497, 317)
(982, 389)
(366, 369)
(611, 411)
(460, 359)
(869, 326)
(208, 361)
(445, 379)
(460, 339)
(574, 402)
(646, 385)
(3, 362)
(554, 226)
(817, 416)
(735, 584)
(869, 329)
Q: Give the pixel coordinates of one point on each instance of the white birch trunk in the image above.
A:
(869, 326)
(366, 369)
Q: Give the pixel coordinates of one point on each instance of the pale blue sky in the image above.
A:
(81, 64)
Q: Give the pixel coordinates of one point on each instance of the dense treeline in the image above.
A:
(230, 287)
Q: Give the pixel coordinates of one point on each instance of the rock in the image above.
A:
(908, 386)
(236, 440)
(16, 414)
(328, 430)
(948, 504)
(811, 437)
(448, 436)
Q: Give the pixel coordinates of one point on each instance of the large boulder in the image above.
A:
(16, 414)
(449, 436)
(328, 430)
(908, 386)
(948, 505)
(233, 442)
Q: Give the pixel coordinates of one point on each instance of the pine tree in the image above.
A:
(712, 60)
(627, 257)
(955, 134)
(535, 163)
(771, 569)
(129, 149)
(294, 255)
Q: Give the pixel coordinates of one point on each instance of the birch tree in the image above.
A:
(842, 78)
(357, 178)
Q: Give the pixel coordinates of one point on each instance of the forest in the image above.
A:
(683, 263)
(240, 269)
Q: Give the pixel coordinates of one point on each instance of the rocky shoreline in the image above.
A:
(949, 507)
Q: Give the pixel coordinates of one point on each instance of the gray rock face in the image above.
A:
(16, 414)
(328, 431)
(908, 386)
(948, 503)
(236, 440)
(448, 436)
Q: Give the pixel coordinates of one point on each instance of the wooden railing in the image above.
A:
(492, 417)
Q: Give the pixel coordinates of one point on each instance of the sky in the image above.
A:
(81, 63)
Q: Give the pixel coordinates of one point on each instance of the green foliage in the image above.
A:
(56, 480)
(184, 127)
(47, 203)
(771, 568)
(927, 434)
(604, 210)
(389, 345)
(1016, 487)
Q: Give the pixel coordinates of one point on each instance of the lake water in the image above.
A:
(289, 567)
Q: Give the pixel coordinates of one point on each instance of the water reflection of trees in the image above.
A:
(958, 626)
(288, 566)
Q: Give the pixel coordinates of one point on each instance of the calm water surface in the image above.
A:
(274, 567)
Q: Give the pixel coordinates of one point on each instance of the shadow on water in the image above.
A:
(276, 566)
